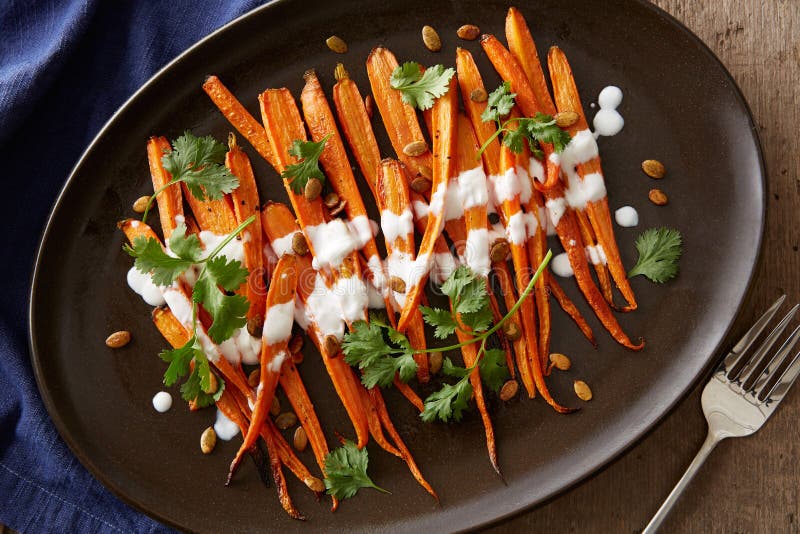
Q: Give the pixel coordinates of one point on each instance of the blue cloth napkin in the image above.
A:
(65, 67)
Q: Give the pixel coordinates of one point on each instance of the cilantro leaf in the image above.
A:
(227, 311)
(457, 280)
(151, 258)
(199, 162)
(346, 471)
(178, 360)
(543, 129)
(450, 369)
(493, 369)
(228, 274)
(448, 403)
(366, 348)
(308, 152)
(659, 252)
(185, 246)
(443, 320)
(515, 141)
(478, 321)
(419, 89)
(499, 103)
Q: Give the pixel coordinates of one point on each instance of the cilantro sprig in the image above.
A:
(346, 471)
(419, 89)
(659, 252)
(308, 152)
(383, 353)
(218, 276)
(536, 130)
(199, 163)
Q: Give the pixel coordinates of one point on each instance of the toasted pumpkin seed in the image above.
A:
(435, 362)
(336, 44)
(299, 244)
(565, 119)
(312, 189)
(286, 420)
(431, 39)
(208, 440)
(582, 390)
(426, 171)
(415, 148)
(117, 340)
(255, 325)
(658, 197)
(275, 407)
(397, 284)
(468, 32)
(254, 378)
(330, 200)
(296, 343)
(560, 361)
(478, 95)
(338, 209)
(509, 390)
(331, 344)
(420, 184)
(511, 330)
(499, 250)
(297, 358)
(300, 439)
(140, 204)
(654, 168)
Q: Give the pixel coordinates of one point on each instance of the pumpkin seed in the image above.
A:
(654, 168)
(312, 189)
(509, 390)
(330, 200)
(415, 148)
(499, 250)
(208, 440)
(299, 244)
(336, 44)
(658, 197)
(286, 420)
(582, 390)
(560, 361)
(255, 325)
(511, 330)
(254, 378)
(478, 95)
(565, 119)
(338, 209)
(468, 32)
(420, 184)
(435, 363)
(275, 407)
(397, 284)
(331, 345)
(117, 340)
(296, 343)
(300, 439)
(140, 204)
(431, 39)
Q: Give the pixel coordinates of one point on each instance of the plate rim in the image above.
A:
(634, 437)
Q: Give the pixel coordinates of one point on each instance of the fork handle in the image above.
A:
(708, 446)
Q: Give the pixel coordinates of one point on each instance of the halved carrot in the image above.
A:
(508, 68)
(445, 113)
(523, 48)
(567, 98)
(245, 203)
(321, 123)
(239, 117)
(569, 307)
(274, 348)
(211, 215)
(170, 201)
(393, 200)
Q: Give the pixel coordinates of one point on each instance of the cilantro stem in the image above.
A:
(500, 129)
(231, 236)
(512, 311)
(154, 195)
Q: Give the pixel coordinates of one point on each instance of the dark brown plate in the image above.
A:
(680, 107)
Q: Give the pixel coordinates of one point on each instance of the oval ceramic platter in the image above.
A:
(680, 107)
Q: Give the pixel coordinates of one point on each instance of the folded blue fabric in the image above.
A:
(65, 67)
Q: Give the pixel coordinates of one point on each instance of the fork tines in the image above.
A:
(765, 373)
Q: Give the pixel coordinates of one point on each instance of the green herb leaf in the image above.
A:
(185, 246)
(450, 369)
(199, 162)
(543, 129)
(227, 311)
(499, 104)
(298, 174)
(151, 258)
(365, 347)
(493, 368)
(443, 320)
(346, 471)
(449, 402)
(420, 89)
(659, 252)
(178, 360)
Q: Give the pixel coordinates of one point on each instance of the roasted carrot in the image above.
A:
(239, 117)
(567, 98)
(274, 348)
(170, 200)
(569, 307)
(245, 203)
(508, 68)
(523, 48)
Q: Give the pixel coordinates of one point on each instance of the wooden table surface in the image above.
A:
(749, 484)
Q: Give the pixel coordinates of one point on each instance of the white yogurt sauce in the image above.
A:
(627, 216)
(608, 121)
(278, 322)
(596, 255)
(277, 361)
(142, 284)
(476, 251)
(321, 309)
(331, 243)
(234, 250)
(162, 401)
(555, 209)
(353, 298)
(225, 429)
(421, 208)
(362, 230)
(444, 264)
(394, 226)
(283, 245)
(472, 191)
(516, 229)
(560, 265)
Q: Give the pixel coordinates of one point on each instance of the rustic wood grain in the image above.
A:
(750, 484)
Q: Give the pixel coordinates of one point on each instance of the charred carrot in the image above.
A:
(274, 348)
(567, 98)
(170, 200)
(245, 203)
(239, 117)
(569, 307)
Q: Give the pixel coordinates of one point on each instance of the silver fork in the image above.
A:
(743, 393)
